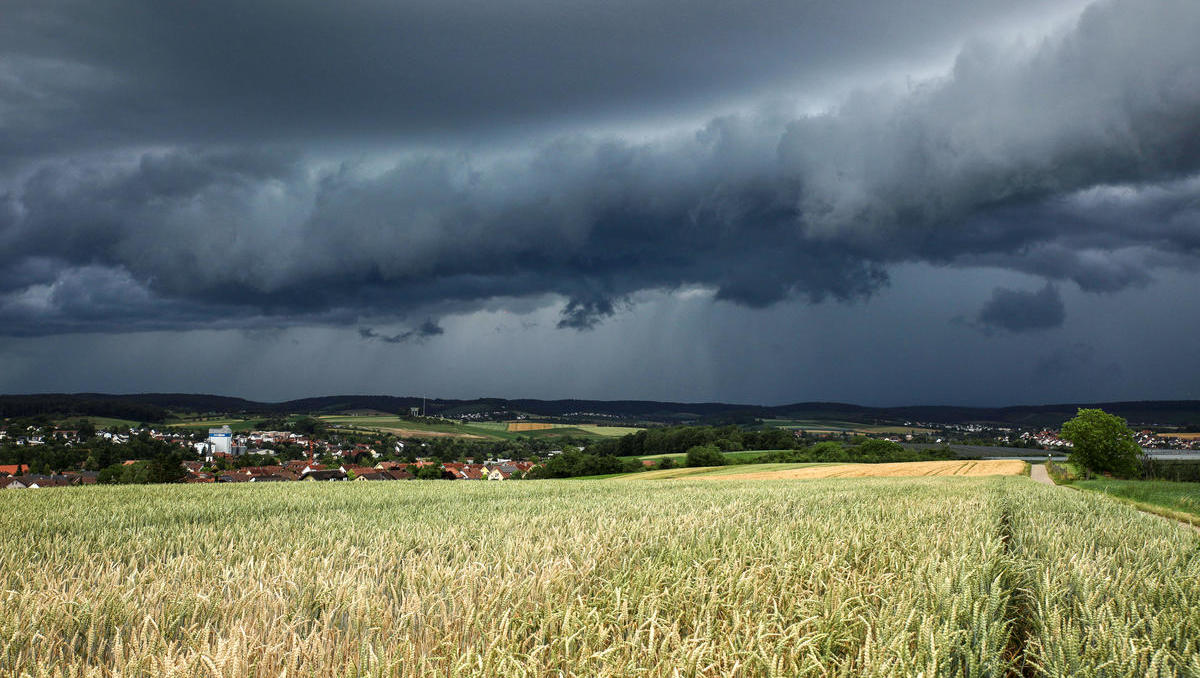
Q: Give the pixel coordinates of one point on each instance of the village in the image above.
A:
(52, 456)
(253, 457)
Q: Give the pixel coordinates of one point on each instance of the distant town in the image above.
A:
(378, 446)
(222, 456)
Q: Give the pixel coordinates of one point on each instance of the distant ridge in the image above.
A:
(156, 407)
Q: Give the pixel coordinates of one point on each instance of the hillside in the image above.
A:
(155, 407)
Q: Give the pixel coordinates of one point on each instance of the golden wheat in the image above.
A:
(894, 470)
(528, 426)
(1114, 592)
(865, 577)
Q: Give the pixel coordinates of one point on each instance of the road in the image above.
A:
(1038, 473)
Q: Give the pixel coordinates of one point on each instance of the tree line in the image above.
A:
(574, 464)
(63, 405)
(679, 439)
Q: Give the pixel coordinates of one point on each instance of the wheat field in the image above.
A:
(987, 467)
(515, 426)
(829, 577)
(794, 471)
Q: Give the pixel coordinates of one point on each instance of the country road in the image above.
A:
(1038, 473)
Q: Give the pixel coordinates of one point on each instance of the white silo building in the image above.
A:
(220, 440)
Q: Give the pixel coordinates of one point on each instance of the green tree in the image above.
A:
(874, 449)
(828, 450)
(309, 426)
(87, 430)
(705, 455)
(429, 473)
(111, 475)
(165, 468)
(1102, 443)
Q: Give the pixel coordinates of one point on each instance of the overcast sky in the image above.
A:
(875, 201)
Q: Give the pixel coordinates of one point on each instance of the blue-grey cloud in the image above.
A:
(425, 330)
(1065, 361)
(585, 314)
(1022, 311)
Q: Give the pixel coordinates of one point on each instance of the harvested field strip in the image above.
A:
(514, 426)
(894, 470)
(1181, 436)
(609, 431)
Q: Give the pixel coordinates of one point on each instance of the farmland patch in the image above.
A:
(515, 426)
(892, 470)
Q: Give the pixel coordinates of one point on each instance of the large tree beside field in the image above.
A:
(705, 455)
(1102, 443)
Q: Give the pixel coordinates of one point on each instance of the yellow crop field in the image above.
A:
(610, 431)
(934, 576)
(515, 426)
(1181, 436)
(989, 467)
(795, 471)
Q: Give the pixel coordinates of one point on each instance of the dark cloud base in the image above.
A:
(425, 330)
(1020, 311)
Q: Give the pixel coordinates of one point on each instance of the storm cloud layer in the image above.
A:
(270, 165)
(1073, 159)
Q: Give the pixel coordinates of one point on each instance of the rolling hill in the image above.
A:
(156, 407)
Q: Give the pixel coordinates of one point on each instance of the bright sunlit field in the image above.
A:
(829, 577)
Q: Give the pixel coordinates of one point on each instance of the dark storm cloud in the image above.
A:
(425, 330)
(585, 314)
(78, 74)
(1021, 311)
(1073, 159)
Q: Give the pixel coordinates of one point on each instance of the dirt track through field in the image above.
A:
(1038, 472)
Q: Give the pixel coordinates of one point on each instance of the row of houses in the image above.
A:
(17, 477)
(1047, 439)
(223, 443)
(497, 471)
(1168, 441)
(303, 470)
